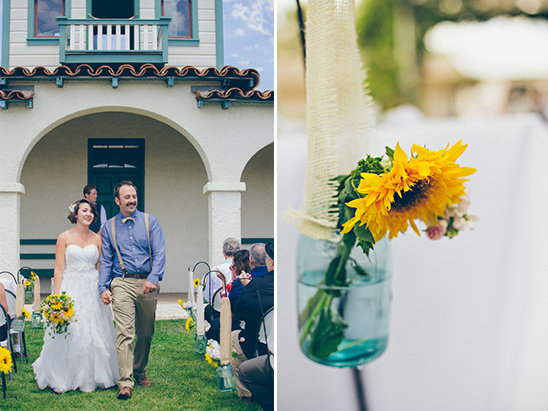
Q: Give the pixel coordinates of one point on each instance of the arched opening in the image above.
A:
(173, 176)
(258, 199)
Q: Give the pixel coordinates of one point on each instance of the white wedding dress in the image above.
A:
(86, 359)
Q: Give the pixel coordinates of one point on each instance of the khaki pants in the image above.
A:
(236, 362)
(134, 313)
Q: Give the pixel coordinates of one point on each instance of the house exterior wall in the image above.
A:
(203, 54)
(199, 164)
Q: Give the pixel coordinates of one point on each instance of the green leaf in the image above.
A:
(359, 269)
(363, 233)
(327, 334)
(390, 154)
(366, 246)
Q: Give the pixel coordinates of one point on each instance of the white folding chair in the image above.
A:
(5, 321)
(8, 276)
(217, 300)
(265, 330)
(10, 296)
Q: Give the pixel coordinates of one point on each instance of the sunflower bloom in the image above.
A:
(5, 361)
(197, 282)
(419, 187)
(187, 324)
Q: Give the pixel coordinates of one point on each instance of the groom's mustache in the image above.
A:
(131, 204)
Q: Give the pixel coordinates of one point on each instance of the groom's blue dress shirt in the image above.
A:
(132, 241)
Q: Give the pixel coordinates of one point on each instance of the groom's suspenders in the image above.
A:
(113, 229)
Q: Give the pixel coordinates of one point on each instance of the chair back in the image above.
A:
(217, 299)
(3, 317)
(10, 296)
(265, 330)
(5, 320)
(6, 275)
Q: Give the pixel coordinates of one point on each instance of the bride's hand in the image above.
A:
(106, 297)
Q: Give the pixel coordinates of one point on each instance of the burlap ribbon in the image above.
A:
(225, 333)
(339, 112)
(19, 299)
(36, 300)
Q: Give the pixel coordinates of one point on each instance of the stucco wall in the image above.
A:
(187, 149)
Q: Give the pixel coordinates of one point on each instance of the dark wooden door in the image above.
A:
(111, 161)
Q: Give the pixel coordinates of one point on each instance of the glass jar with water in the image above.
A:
(343, 325)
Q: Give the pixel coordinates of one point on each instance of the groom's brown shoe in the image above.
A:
(143, 380)
(125, 393)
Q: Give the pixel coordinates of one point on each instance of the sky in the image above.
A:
(249, 37)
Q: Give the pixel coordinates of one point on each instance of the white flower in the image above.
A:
(459, 223)
(462, 207)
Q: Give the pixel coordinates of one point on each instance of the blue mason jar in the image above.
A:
(348, 324)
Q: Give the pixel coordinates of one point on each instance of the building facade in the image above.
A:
(98, 92)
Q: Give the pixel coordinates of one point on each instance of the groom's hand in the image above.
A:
(148, 287)
(106, 297)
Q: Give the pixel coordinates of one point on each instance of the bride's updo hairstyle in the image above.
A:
(74, 207)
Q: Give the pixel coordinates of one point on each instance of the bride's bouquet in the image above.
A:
(58, 310)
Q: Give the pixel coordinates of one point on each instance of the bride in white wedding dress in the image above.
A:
(86, 358)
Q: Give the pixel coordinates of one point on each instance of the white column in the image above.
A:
(225, 215)
(10, 211)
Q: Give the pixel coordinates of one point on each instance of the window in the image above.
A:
(180, 13)
(45, 12)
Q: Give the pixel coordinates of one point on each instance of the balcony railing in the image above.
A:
(113, 40)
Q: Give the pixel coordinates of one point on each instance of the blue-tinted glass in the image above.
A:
(46, 11)
(179, 11)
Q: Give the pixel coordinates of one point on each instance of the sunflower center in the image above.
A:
(412, 197)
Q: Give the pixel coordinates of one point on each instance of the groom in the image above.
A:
(132, 263)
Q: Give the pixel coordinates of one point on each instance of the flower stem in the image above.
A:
(335, 276)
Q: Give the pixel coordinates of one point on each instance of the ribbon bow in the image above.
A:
(127, 218)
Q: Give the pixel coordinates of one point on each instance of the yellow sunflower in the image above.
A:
(187, 324)
(56, 305)
(69, 312)
(26, 313)
(420, 187)
(197, 282)
(5, 361)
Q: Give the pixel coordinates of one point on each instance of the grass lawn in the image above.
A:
(181, 380)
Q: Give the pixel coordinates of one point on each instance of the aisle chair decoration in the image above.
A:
(28, 283)
(225, 373)
(36, 318)
(344, 262)
(5, 367)
(201, 340)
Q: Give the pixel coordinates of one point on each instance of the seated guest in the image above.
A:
(256, 298)
(214, 282)
(240, 264)
(8, 286)
(257, 262)
(4, 304)
(257, 375)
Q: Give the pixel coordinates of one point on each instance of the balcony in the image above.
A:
(113, 41)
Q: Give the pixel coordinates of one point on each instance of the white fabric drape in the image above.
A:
(469, 322)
